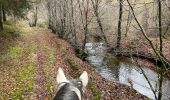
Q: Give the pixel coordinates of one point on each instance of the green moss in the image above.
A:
(10, 32)
(51, 55)
(15, 51)
(22, 25)
(96, 92)
(9, 22)
(12, 29)
(74, 67)
(50, 87)
(51, 59)
(17, 56)
(32, 48)
(42, 24)
(25, 80)
(18, 95)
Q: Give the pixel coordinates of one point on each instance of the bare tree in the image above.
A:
(119, 24)
(49, 13)
(129, 20)
(161, 46)
(160, 24)
(73, 30)
(95, 4)
(1, 22)
(4, 14)
(85, 21)
(158, 53)
(34, 18)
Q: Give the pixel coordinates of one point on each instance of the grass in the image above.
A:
(11, 53)
(74, 67)
(10, 30)
(42, 24)
(25, 80)
(17, 63)
(15, 51)
(51, 55)
(48, 68)
(96, 92)
(13, 29)
(25, 76)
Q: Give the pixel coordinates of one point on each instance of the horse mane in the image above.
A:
(66, 92)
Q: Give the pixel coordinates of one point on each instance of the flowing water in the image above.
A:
(122, 70)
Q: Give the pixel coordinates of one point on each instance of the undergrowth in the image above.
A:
(13, 29)
(25, 80)
(96, 92)
(48, 68)
(17, 62)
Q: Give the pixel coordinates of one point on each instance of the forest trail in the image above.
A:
(29, 63)
(26, 63)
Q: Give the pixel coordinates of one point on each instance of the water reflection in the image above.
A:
(123, 71)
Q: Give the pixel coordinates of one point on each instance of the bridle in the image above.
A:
(74, 83)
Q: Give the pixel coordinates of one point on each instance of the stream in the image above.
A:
(122, 70)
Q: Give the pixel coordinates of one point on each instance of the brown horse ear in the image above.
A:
(61, 76)
(84, 79)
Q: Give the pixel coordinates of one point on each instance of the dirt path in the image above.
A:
(40, 77)
(32, 70)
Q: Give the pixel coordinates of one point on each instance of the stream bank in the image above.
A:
(122, 70)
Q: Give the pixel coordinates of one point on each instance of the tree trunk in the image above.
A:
(4, 14)
(1, 22)
(85, 26)
(35, 16)
(160, 84)
(73, 23)
(161, 46)
(96, 12)
(119, 24)
(160, 24)
(128, 23)
(49, 14)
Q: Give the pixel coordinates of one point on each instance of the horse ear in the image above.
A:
(61, 77)
(84, 78)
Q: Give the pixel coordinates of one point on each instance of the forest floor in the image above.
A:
(30, 58)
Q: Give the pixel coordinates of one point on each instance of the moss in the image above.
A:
(51, 88)
(17, 60)
(72, 64)
(32, 48)
(12, 29)
(9, 22)
(18, 94)
(74, 67)
(25, 80)
(42, 24)
(96, 92)
(51, 59)
(51, 55)
(15, 51)
(80, 53)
